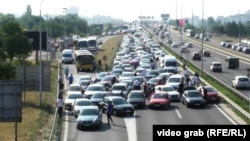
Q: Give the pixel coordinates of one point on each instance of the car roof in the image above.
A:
(90, 107)
(74, 84)
(120, 84)
(82, 99)
(74, 92)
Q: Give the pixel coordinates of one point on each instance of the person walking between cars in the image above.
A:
(60, 82)
(66, 72)
(137, 84)
(181, 88)
(204, 93)
(71, 79)
(60, 103)
(109, 112)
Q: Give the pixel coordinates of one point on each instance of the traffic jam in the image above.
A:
(144, 76)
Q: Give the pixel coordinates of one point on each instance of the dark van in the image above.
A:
(232, 62)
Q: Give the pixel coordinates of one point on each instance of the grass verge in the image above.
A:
(242, 103)
(109, 50)
(35, 118)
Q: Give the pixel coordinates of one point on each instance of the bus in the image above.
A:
(84, 60)
(88, 43)
(82, 44)
(190, 32)
(92, 43)
(125, 28)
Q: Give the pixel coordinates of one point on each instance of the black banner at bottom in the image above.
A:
(201, 132)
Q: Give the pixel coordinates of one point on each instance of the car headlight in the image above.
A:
(188, 100)
(96, 120)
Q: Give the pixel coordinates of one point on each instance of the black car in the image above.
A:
(137, 98)
(196, 56)
(121, 106)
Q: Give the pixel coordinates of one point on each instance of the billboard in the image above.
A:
(33, 37)
(10, 101)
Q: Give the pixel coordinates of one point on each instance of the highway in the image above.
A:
(219, 56)
(139, 126)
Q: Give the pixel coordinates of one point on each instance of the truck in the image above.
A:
(84, 60)
(232, 62)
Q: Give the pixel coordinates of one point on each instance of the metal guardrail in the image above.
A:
(234, 105)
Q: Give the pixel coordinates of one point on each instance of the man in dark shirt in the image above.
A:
(109, 112)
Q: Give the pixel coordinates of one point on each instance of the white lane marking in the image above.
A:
(131, 127)
(229, 118)
(178, 113)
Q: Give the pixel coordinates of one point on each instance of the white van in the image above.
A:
(67, 56)
(170, 63)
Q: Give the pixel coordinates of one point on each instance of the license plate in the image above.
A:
(197, 104)
(157, 105)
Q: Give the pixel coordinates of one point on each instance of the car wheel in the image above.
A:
(131, 114)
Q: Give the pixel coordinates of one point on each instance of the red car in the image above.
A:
(212, 94)
(135, 61)
(159, 100)
(206, 53)
(156, 81)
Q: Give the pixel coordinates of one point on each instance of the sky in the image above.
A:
(130, 10)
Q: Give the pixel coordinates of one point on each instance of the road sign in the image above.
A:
(104, 58)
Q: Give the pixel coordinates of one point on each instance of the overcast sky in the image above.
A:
(130, 10)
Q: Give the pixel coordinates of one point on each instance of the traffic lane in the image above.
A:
(211, 114)
(226, 76)
(114, 132)
(177, 114)
(146, 118)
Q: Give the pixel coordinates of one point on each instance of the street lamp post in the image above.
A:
(40, 56)
(202, 40)
(65, 31)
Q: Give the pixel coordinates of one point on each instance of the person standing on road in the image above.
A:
(71, 79)
(109, 112)
(60, 103)
(66, 71)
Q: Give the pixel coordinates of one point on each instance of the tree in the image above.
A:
(13, 41)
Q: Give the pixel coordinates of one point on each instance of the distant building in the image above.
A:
(73, 10)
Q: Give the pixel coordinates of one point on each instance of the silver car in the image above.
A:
(137, 98)
(193, 98)
(241, 82)
(79, 104)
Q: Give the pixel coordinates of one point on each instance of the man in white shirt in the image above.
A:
(186, 73)
(60, 103)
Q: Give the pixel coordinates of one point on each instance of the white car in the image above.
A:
(125, 75)
(94, 88)
(241, 82)
(71, 98)
(84, 77)
(78, 104)
(216, 66)
(174, 95)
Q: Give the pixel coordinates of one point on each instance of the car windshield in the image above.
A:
(136, 95)
(193, 94)
(67, 55)
(174, 80)
(119, 88)
(74, 88)
(94, 88)
(119, 101)
(217, 65)
(98, 96)
(153, 73)
(210, 89)
(125, 75)
(161, 96)
(243, 79)
(83, 103)
(84, 83)
(107, 78)
(89, 112)
(74, 96)
(168, 89)
(154, 80)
